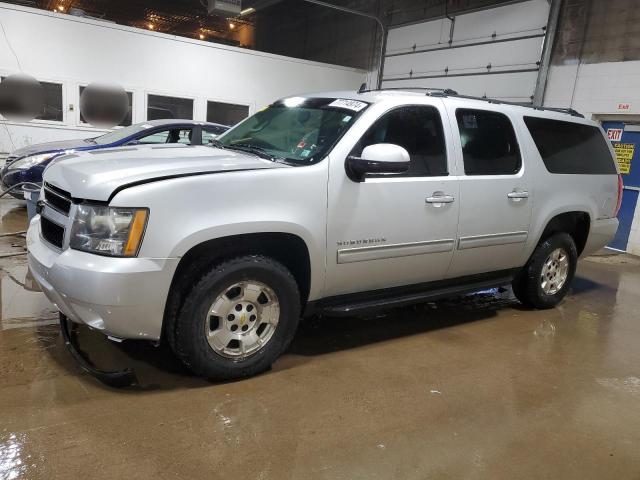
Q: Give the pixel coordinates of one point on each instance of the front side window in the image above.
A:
(160, 107)
(174, 135)
(417, 129)
(489, 144)
(569, 147)
(299, 130)
(209, 134)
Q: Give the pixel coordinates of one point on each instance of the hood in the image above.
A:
(96, 174)
(48, 147)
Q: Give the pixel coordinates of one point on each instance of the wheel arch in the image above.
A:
(576, 223)
(287, 248)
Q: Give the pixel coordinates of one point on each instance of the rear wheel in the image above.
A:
(238, 319)
(545, 280)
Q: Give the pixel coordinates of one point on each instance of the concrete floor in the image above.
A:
(476, 387)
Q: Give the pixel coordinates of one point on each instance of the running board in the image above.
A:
(345, 305)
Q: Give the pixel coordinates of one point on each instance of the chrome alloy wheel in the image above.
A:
(555, 271)
(242, 319)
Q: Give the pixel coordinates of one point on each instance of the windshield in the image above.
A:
(296, 129)
(121, 133)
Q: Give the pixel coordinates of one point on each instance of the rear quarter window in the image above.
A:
(571, 148)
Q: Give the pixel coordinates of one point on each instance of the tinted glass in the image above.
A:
(127, 119)
(567, 147)
(418, 130)
(226, 113)
(159, 107)
(301, 130)
(489, 144)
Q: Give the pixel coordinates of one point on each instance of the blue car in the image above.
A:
(27, 164)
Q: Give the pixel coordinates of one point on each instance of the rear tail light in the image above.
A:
(619, 202)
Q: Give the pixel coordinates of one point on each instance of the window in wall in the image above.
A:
(489, 144)
(159, 107)
(418, 129)
(226, 113)
(52, 110)
(127, 119)
(568, 147)
(172, 135)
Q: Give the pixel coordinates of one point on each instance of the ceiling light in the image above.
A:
(247, 11)
(61, 8)
(201, 36)
(151, 26)
(232, 25)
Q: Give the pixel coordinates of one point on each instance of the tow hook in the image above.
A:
(118, 378)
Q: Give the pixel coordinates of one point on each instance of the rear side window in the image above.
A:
(417, 129)
(567, 147)
(489, 144)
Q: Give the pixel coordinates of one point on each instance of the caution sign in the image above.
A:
(624, 154)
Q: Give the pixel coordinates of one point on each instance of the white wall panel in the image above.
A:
(76, 51)
(508, 87)
(518, 54)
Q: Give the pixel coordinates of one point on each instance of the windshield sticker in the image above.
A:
(354, 105)
(346, 118)
(305, 153)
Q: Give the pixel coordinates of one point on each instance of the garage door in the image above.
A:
(494, 52)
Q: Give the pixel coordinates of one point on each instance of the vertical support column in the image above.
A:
(547, 48)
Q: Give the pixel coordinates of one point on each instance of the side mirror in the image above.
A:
(378, 158)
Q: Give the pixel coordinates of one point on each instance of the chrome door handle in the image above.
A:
(438, 199)
(517, 195)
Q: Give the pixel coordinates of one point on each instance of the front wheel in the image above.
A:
(238, 318)
(545, 280)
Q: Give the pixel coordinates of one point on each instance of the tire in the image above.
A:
(203, 324)
(535, 291)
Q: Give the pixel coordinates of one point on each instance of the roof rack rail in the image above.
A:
(430, 91)
(446, 92)
(568, 111)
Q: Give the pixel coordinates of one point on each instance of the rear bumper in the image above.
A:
(121, 297)
(601, 233)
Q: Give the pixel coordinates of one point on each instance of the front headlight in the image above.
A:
(113, 231)
(31, 161)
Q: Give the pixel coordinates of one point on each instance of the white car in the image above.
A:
(337, 203)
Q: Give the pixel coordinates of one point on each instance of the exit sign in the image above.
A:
(624, 106)
(614, 134)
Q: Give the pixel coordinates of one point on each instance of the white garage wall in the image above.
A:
(76, 51)
(508, 38)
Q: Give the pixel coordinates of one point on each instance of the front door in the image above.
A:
(495, 193)
(399, 229)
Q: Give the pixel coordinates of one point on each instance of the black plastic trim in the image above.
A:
(118, 378)
(349, 304)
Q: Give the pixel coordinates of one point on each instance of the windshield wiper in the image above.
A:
(259, 151)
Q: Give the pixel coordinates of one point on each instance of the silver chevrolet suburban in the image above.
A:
(335, 203)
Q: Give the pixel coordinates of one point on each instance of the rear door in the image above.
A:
(495, 192)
